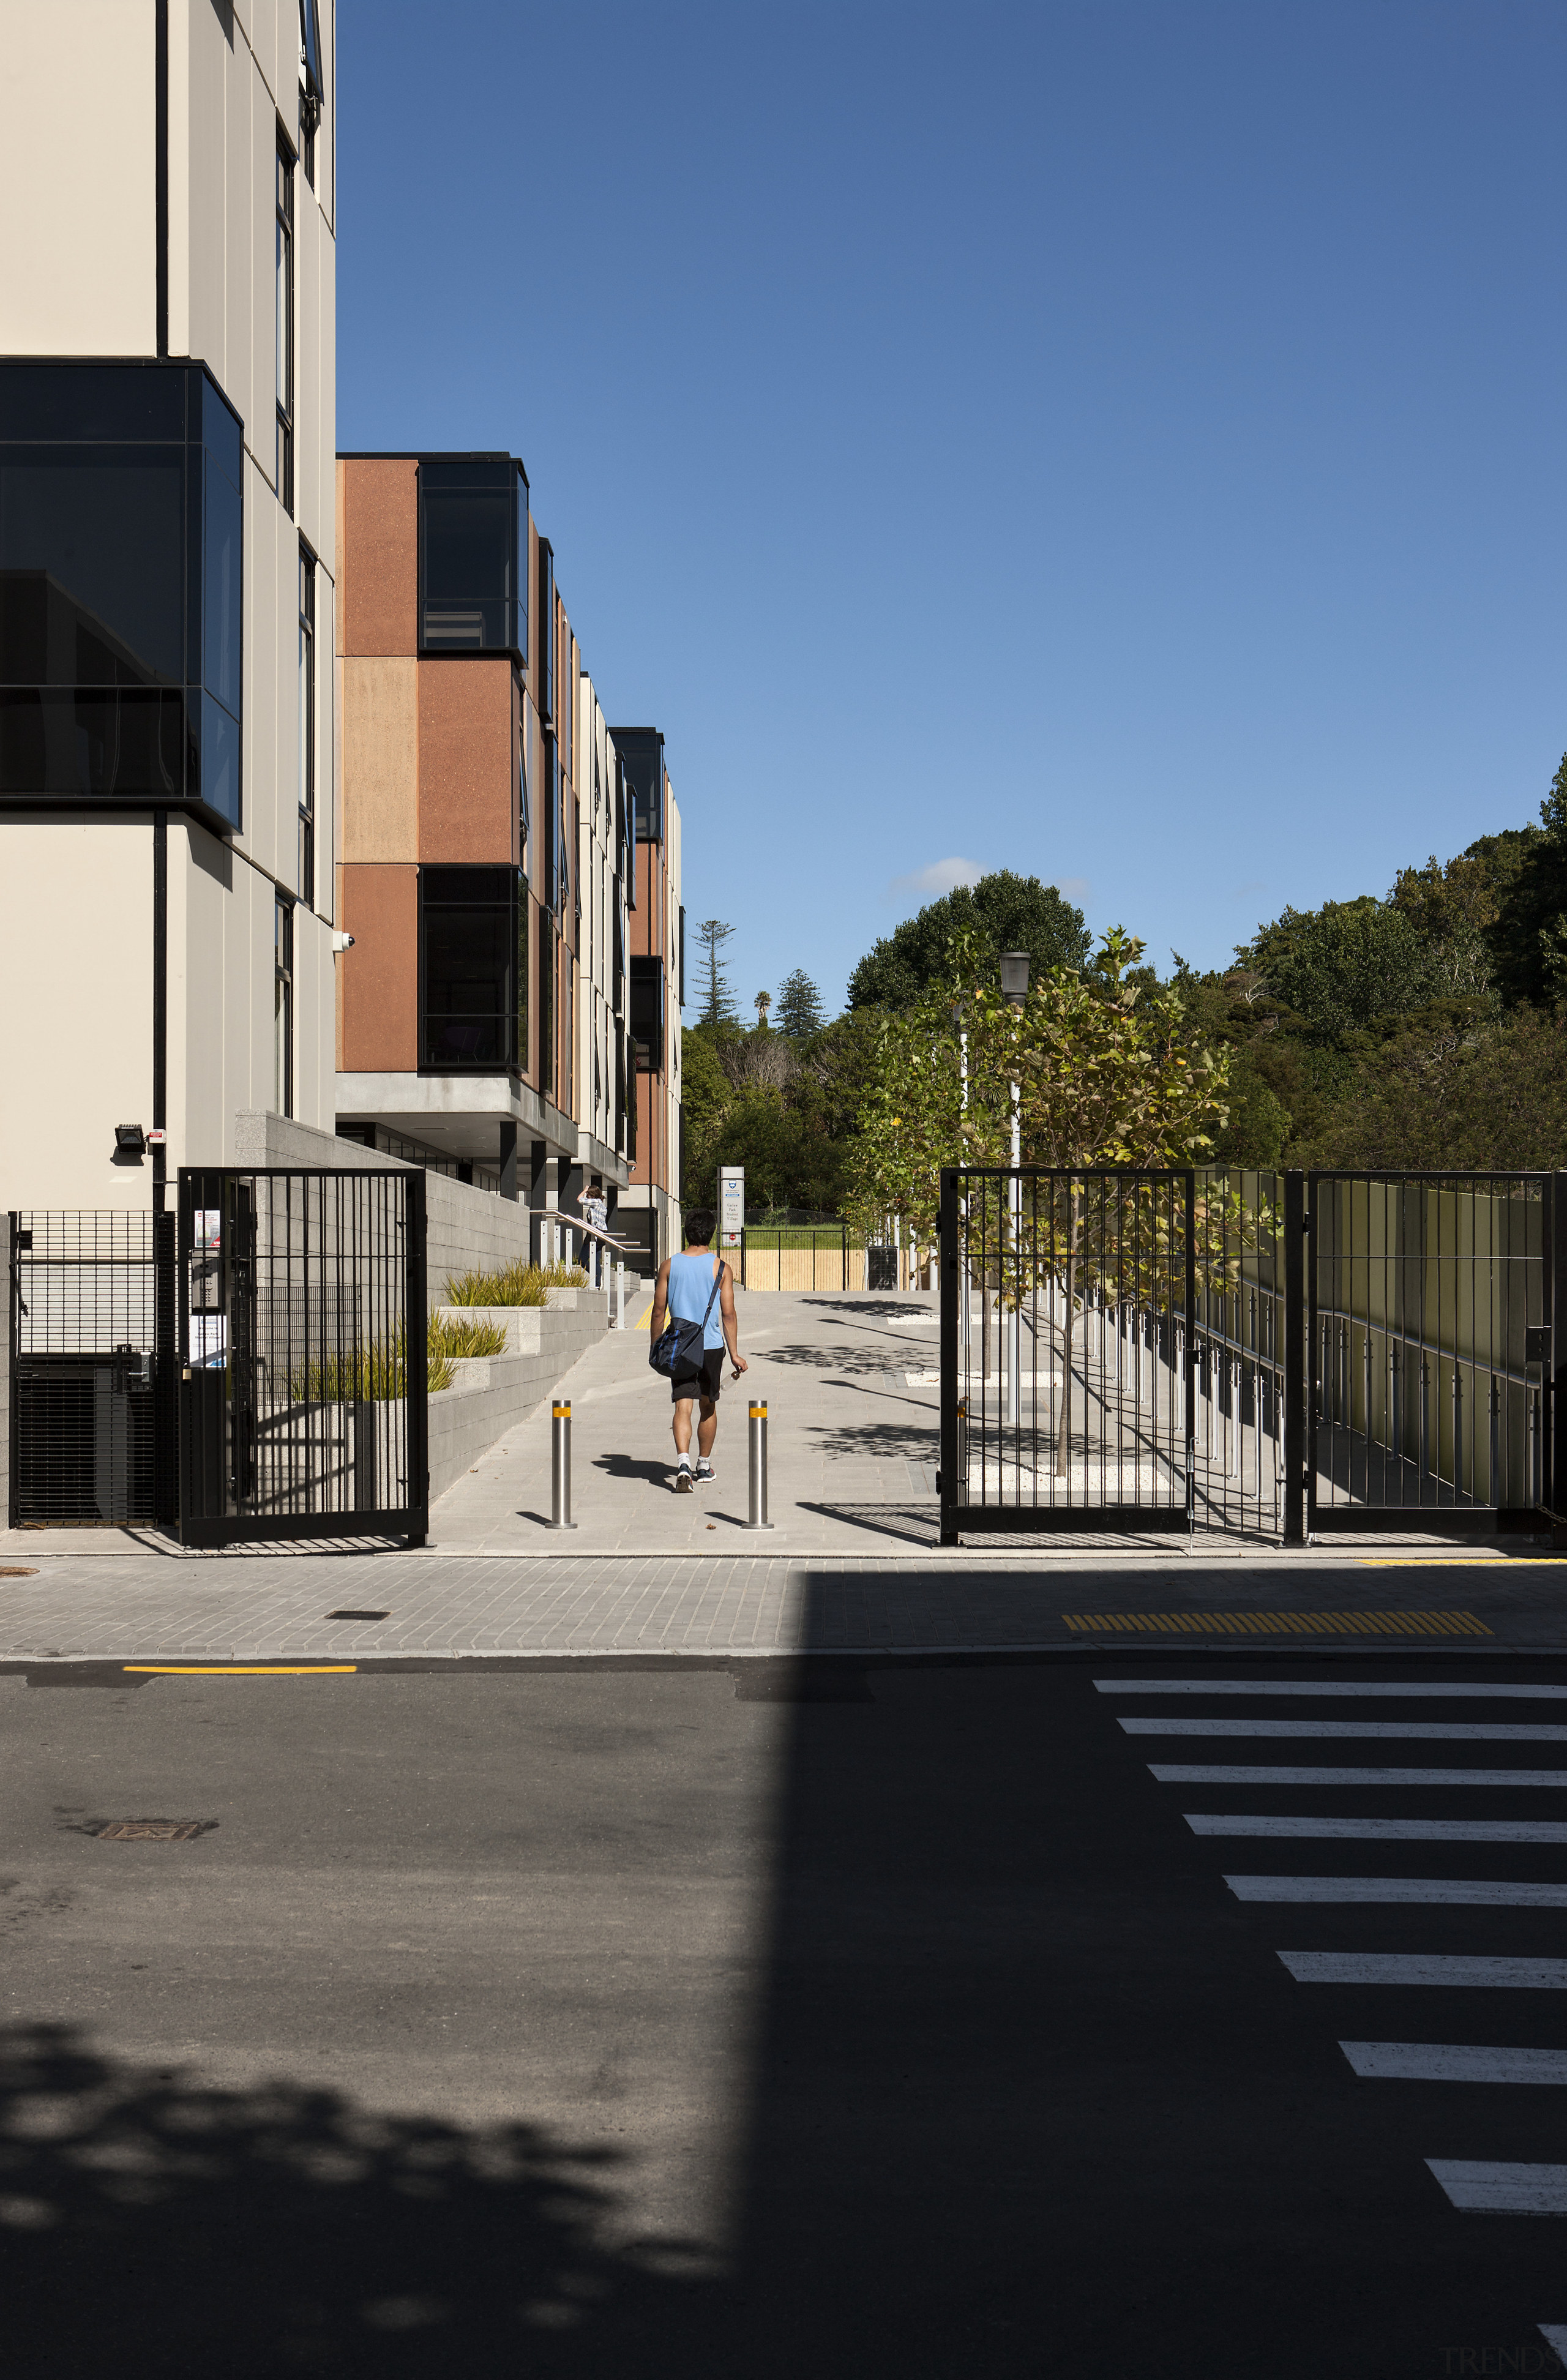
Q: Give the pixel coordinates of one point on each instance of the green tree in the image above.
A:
(1106, 1073)
(717, 999)
(1528, 939)
(800, 1012)
(1002, 912)
(1337, 967)
(1488, 1097)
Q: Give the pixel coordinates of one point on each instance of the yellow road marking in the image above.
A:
(1279, 1623)
(643, 1320)
(1460, 1561)
(239, 1669)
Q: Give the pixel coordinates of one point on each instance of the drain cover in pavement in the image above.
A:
(149, 1831)
(359, 1615)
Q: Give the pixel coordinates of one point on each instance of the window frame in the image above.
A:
(509, 1011)
(283, 1002)
(284, 298)
(306, 867)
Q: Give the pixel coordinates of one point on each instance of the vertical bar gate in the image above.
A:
(302, 1356)
(1241, 1350)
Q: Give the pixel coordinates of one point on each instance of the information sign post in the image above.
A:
(732, 1216)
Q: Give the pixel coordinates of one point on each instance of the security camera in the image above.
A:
(342, 942)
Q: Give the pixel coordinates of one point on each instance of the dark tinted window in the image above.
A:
(641, 753)
(92, 549)
(546, 631)
(468, 968)
(121, 569)
(95, 401)
(468, 558)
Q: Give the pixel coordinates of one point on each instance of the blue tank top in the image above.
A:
(690, 1286)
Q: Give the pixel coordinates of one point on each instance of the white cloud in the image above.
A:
(1075, 889)
(942, 876)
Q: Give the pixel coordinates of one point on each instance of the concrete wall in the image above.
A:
(78, 178)
(492, 1393)
(465, 1228)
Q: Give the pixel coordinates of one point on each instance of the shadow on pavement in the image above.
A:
(149, 2226)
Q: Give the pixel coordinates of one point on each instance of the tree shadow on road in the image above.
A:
(151, 2226)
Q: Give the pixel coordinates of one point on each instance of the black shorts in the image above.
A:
(707, 1385)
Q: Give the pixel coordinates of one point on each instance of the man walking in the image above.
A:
(685, 1291)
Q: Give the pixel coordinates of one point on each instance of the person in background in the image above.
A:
(684, 1289)
(593, 1207)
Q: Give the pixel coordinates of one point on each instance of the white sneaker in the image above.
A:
(684, 1483)
(704, 1473)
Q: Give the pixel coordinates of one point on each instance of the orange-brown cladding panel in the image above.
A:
(467, 794)
(380, 557)
(379, 977)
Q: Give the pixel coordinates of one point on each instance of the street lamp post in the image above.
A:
(966, 1318)
(1015, 988)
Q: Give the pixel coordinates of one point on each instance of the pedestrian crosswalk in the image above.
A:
(1306, 1791)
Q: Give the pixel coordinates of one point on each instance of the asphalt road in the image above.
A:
(657, 2021)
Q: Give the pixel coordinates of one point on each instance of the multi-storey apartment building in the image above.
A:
(650, 1206)
(167, 560)
(487, 859)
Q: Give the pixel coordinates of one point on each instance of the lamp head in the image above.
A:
(1015, 977)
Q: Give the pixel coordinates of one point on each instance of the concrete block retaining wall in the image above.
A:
(493, 1393)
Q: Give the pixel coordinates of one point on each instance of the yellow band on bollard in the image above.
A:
(758, 1413)
(560, 1412)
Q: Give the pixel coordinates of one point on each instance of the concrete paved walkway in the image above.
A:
(852, 1443)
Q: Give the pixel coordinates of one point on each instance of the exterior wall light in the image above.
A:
(1015, 977)
(130, 1140)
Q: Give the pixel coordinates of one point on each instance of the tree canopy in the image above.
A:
(800, 1012)
(1002, 912)
(717, 999)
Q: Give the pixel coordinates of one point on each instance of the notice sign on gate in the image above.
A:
(731, 1205)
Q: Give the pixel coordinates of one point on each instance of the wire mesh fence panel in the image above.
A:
(303, 1354)
(1429, 1345)
(84, 1354)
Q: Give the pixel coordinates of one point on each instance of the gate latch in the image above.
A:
(1537, 1344)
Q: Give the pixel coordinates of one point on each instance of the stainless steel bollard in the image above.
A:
(961, 1485)
(620, 1297)
(758, 1519)
(560, 1466)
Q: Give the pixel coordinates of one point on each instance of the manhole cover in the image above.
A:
(359, 1615)
(13, 1570)
(149, 1831)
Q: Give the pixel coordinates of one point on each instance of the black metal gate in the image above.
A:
(1282, 1354)
(91, 1367)
(302, 1356)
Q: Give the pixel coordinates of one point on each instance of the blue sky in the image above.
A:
(1120, 443)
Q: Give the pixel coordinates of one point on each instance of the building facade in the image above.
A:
(487, 857)
(167, 568)
(649, 1207)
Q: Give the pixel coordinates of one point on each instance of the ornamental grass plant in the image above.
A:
(514, 1284)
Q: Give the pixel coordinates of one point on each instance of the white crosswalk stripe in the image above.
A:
(1470, 2186)
(1405, 1730)
(1417, 1968)
(1182, 1773)
(1329, 1689)
(1447, 2061)
(1386, 1831)
(1473, 1891)
(1478, 2189)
